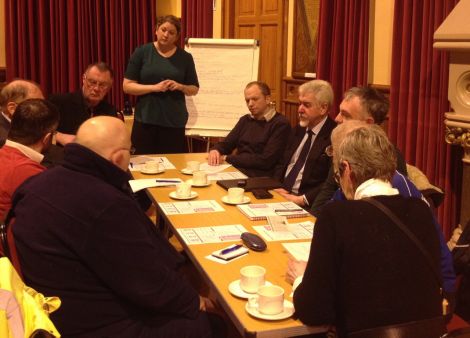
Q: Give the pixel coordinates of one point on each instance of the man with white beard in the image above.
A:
(305, 164)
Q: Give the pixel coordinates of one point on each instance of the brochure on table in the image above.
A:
(190, 207)
(303, 230)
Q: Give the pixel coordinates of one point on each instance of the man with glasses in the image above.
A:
(75, 108)
(31, 132)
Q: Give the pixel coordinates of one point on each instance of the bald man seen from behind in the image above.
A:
(82, 236)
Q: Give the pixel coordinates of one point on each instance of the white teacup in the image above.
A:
(270, 300)
(183, 190)
(235, 195)
(193, 166)
(153, 166)
(252, 278)
(200, 178)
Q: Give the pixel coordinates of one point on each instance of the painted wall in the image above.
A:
(168, 7)
(380, 43)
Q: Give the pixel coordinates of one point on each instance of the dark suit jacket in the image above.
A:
(74, 111)
(317, 164)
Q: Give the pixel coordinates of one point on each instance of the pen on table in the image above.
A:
(230, 249)
(167, 181)
(288, 210)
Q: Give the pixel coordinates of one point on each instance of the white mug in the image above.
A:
(269, 300)
(251, 278)
(200, 178)
(192, 166)
(235, 195)
(183, 190)
(153, 166)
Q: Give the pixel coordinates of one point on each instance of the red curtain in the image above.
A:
(196, 19)
(52, 42)
(419, 99)
(343, 37)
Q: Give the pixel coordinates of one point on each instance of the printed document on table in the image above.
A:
(137, 163)
(214, 234)
(303, 230)
(213, 169)
(229, 175)
(300, 251)
(144, 183)
(190, 207)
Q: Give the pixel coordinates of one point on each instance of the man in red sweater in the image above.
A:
(32, 128)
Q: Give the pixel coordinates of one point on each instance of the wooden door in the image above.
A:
(262, 20)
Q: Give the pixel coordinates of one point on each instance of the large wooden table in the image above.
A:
(219, 276)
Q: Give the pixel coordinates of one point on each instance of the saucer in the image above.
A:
(187, 171)
(225, 199)
(151, 172)
(235, 289)
(190, 181)
(190, 197)
(288, 311)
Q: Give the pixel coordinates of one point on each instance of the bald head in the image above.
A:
(108, 137)
(16, 92)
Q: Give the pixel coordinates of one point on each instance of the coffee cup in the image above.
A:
(153, 166)
(269, 300)
(192, 166)
(252, 278)
(200, 178)
(183, 190)
(235, 195)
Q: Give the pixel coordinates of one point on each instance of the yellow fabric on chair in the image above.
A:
(23, 311)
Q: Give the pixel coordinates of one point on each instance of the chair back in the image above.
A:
(428, 328)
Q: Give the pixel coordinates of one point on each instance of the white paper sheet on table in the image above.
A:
(300, 251)
(303, 230)
(229, 175)
(136, 163)
(144, 183)
(213, 169)
(190, 207)
(212, 234)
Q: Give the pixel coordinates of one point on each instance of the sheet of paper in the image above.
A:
(229, 175)
(136, 163)
(300, 251)
(303, 230)
(144, 183)
(213, 169)
(214, 234)
(190, 207)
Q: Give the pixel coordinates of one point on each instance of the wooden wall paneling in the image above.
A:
(264, 20)
(270, 59)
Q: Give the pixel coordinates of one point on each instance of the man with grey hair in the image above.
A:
(75, 108)
(304, 166)
(11, 95)
(354, 256)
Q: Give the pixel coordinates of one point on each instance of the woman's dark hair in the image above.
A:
(175, 21)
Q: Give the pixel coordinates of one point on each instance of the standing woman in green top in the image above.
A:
(161, 74)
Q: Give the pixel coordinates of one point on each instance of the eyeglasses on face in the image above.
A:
(96, 84)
